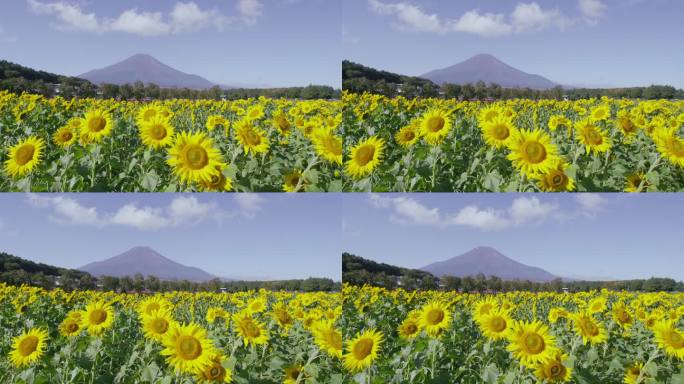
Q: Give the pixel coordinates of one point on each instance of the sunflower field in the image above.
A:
(520, 337)
(59, 145)
(595, 145)
(95, 337)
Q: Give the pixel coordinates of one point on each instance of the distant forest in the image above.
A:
(357, 78)
(359, 271)
(17, 271)
(17, 79)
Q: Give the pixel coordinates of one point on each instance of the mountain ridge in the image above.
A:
(148, 262)
(489, 69)
(490, 262)
(145, 68)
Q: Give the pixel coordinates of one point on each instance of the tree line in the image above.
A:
(357, 78)
(17, 271)
(359, 271)
(17, 79)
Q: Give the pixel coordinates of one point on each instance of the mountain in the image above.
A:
(148, 262)
(147, 69)
(490, 262)
(489, 69)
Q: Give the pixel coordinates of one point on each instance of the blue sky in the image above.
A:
(590, 236)
(576, 42)
(239, 236)
(264, 42)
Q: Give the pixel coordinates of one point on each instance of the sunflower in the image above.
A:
(64, 137)
(408, 135)
(410, 327)
(636, 182)
(498, 131)
(592, 137)
(148, 112)
(96, 125)
(531, 343)
(485, 115)
(152, 304)
(483, 307)
(625, 124)
(553, 370)
(293, 374)
(157, 132)
(495, 324)
(328, 146)
(24, 156)
(293, 181)
(194, 157)
(70, 327)
(365, 157)
(590, 329)
(557, 313)
(362, 350)
(670, 146)
(217, 182)
(255, 112)
(157, 324)
(188, 349)
(214, 121)
(556, 179)
(257, 305)
(251, 330)
(28, 347)
(282, 315)
(217, 314)
(532, 152)
(597, 305)
(328, 338)
(635, 374)
(97, 317)
(281, 123)
(435, 126)
(215, 372)
(600, 113)
(622, 316)
(250, 137)
(559, 121)
(434, 318)
(669, 338)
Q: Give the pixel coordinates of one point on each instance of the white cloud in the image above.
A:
(145, 218)
(523, 210)
(486, 24)
(143, 24)
(185, 17)
(590, 203)
(526, 17)
(531, 17)
(181, 211)
(592, 9)
(249, 203)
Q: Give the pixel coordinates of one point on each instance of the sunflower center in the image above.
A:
(196, 156)
(334, 146)
(590, 328)
(335, 340)
(72, 327)
(533, 343)
(557, 178)
(363, 348)
(96, 124)
(364, 155)
(159, 325)
(500, 132)
(216, 372)
(28, 345)
(594, 138)
(293, 374)
(252, 330)
(24, 154)
(676, 340)
(189, 348)
(409, 135)
(67, 135)
(411, 329)
(555, 369)
(294, 180)
(634, 371)
(624, 317)
(98, 316)
(498, 324)
(534, 151)
(435, 123)
(158, 131)
(435, 316)
(149, 114)
(677, 148)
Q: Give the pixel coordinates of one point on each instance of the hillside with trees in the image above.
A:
(357, 78)
(359, 271)
(17, 271)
